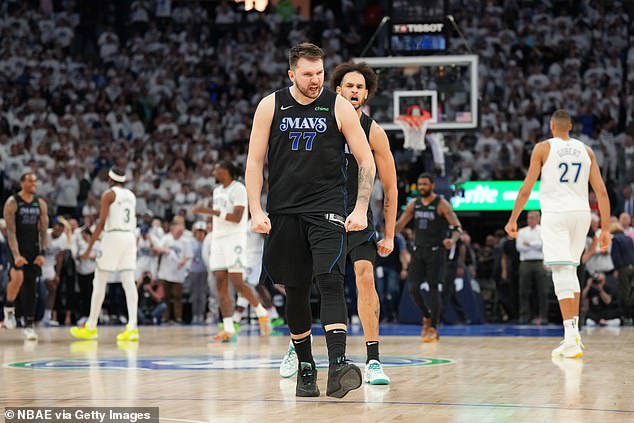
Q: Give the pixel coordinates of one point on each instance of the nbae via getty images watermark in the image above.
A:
(82, 414)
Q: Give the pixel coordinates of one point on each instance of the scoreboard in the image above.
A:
(419, 26)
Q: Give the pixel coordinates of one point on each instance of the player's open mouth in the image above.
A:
(355, 99)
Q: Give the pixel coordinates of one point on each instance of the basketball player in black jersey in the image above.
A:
(27, 221)
(433, 219)
(357, 83)
(305, 128)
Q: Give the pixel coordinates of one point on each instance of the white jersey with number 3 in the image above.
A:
(565, 175)
(122, 216)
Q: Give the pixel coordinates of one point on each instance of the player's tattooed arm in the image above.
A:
(43, 225)
(387, 173)
(366, 180)
(10, 207)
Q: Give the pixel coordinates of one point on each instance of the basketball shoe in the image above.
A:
(265, 325)
(290, 362)
(84, 332)
(426, 326)
(343, 377)
(226, 336)
(432, 336)
(128, 335)
(9, 318)
(30, 334)
(374, 374)
(307, 381)
(569, 349)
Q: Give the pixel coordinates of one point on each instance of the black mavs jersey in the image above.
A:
(352, 169)
(27, 218)
(431, 228)
(306, 157)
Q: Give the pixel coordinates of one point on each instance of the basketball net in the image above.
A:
(414, 125)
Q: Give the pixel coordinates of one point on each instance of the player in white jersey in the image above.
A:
(228, 247)
(117, 218)
(566, 166)
(255, 248)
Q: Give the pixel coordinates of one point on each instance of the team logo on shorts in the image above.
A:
(204, 362)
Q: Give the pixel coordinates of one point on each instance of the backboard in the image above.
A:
(447, 85)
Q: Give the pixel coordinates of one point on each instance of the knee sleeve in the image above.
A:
(298, 313)
(565, 281)
(28, 292)
(333, 298)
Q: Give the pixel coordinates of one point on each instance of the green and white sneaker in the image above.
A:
(374, 374)
(290, 362)
(569, 349)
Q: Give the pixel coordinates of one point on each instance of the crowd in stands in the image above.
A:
(166, 89)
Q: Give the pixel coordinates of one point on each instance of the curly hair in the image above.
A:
(371, 78)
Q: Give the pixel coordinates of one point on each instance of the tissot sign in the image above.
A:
(491, 196)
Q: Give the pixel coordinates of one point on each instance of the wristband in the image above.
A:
(223, 214)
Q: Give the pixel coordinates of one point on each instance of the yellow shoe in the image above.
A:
(83, 332)
(226, 337)
(265, 326)
(432, 336)
(128, 335)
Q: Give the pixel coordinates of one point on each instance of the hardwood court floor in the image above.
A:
(486, 379)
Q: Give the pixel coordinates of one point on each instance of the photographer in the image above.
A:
(597, 302)
(151, 305)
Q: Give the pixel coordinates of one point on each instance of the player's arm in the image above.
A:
(10, 208)
(350, 126)
(596, 182)
(236, 215)
(540, 153)
(407, 215)
(387, 173)
(254, 173)
(42, 230)
(107, 198)
(446, 211)
(200, 209)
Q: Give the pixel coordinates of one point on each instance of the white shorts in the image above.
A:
(229, 253)
(253, 270)
(118, 252)
(564, 237)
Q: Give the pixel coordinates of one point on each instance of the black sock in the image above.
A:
(372, 349)
(303, 350)
(8, 304)
(336, 343)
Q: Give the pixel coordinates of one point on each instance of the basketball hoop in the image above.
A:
(414, 126)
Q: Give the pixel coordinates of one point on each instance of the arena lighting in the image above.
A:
(259, 5)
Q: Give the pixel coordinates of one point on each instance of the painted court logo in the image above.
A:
(203, 362)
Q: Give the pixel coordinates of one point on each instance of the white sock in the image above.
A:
(571, 329)
(237, 316)
(131, 298)
(47, 314)
(261, 311)
(99, 283)
(228, 325)
(273, 314)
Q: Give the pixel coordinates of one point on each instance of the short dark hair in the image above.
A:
(371, 78)
(561, 115)
(230, 167)
(26, 175)
(426, 175)
(304, 50)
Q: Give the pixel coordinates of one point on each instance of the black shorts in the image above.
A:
(300, 246)
(362, 245)
(29, 266)
(428, 265)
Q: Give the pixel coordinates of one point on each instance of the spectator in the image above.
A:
(67, 193)
(623, 258)
(597, 301)
(151, 304)
(531, 271)
(198, 274)
(175, 251)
